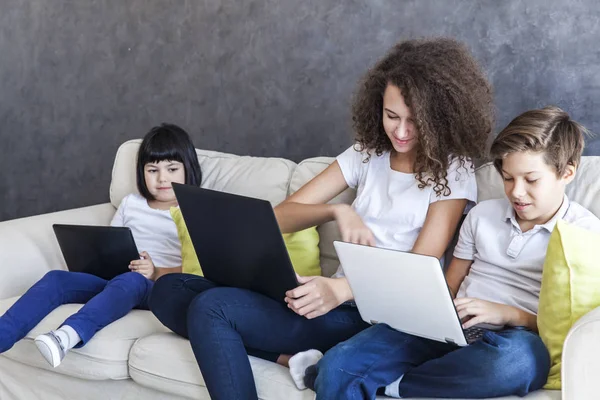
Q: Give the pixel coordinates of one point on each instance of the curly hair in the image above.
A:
(449, 97)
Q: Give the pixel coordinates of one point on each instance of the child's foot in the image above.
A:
(52, 348)
(300, 362)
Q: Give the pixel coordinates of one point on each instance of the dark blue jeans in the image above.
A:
(105, 302)
(508, 362)
(225, 324)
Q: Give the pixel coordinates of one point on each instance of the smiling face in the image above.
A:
(159, 176)
(397, 121)
(533, 187)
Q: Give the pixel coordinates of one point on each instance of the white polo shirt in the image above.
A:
(507, 263)
(391, 204)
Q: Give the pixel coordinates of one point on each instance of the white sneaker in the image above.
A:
(51, 347)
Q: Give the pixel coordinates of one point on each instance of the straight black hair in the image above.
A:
(167, 142)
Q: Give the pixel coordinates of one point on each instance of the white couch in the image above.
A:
(136, 357)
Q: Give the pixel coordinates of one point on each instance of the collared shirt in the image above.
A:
(507, 262)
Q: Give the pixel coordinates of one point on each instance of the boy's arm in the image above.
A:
(456, 273)
(522, 318)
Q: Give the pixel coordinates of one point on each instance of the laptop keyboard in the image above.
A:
(473, 334)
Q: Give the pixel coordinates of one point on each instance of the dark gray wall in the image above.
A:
(258, 77)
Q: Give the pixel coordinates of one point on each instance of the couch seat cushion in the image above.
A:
(165, 362)
(104, 357)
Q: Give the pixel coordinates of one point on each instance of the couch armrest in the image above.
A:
(581, 359)
(28, 247)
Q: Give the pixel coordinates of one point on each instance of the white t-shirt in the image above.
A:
(390, 203)
(507, 263)
(154, 231)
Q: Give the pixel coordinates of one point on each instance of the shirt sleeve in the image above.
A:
(462, 184)
(465, 247)
(353, 167)
(119, 217)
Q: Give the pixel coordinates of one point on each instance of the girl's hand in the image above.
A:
(352, 227)
(317, 295)
(477, 311)
(144, 266)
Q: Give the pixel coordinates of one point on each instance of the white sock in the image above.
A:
(298, 364)
(69, 337)
(393, 389)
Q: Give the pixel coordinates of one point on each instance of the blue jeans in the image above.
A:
(226, 324)
(105, 302)
(509, 362)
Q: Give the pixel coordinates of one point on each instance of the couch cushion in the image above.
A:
(103, 357)
(165, 361)
(261, 177)
(328, 232)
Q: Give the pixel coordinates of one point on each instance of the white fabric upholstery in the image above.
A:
(104, 357)
(28, 247)
(170, 357)
(22, 382)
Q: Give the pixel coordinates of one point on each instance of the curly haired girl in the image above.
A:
(420, 115)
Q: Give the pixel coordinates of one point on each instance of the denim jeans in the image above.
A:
(105, 302)
(226, 324)
(509, 362)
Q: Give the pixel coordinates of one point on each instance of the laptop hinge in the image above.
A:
(448, 340)
(373, 322)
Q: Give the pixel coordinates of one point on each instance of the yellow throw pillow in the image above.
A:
(189, 261)
(303, 248)
(570, 283)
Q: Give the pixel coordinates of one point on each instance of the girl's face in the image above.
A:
(160, 175)
(397, 121)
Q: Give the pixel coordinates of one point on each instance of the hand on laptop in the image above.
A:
(476, 311)
(317, 295)
(352, 227)
(144, 265)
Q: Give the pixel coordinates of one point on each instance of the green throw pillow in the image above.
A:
(570, 288)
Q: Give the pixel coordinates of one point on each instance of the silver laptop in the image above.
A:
(406, 291)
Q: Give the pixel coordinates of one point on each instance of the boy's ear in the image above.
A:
(570, 173)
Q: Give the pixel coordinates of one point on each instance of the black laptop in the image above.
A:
(104, 251)
(237, 240)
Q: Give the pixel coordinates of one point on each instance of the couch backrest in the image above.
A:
(261, 177)
(273, 179)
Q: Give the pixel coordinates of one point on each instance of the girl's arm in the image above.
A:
(439, 228)
(307, 207)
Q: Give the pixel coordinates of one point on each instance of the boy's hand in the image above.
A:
(477, 311)
(317, 295)
(144, 265)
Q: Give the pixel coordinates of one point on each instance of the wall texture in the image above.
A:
(258, 77)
